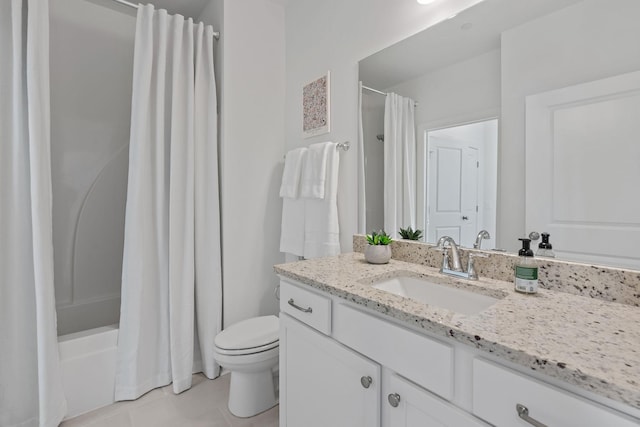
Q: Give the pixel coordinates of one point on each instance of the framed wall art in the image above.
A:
(316, 107)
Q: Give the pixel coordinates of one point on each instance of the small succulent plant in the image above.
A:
(409, 234)
(379, 238)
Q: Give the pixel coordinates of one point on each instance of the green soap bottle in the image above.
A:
(526, 270)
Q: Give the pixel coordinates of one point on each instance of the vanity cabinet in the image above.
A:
(343, 366)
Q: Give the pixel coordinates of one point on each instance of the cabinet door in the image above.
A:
(407, 405)
(323, 383)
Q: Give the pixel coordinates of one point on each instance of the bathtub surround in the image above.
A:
(171, 280)
(592, 281)
(30, 385)
(91, 54)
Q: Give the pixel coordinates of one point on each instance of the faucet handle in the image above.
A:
(471, 266)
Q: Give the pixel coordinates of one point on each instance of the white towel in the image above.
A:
(292, 227)
(314, 170)
(291, 173)
(321, 227)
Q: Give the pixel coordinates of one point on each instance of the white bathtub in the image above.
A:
(88, 364)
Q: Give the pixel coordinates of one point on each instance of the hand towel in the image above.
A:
(291, 173)
(321, 227)
(314, 170)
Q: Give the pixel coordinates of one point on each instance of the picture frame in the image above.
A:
(316, 107)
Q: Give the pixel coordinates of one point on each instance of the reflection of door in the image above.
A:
(585, 140)
(452, 191)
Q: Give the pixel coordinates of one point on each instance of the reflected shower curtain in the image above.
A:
(171, 281)
(30, 385)
(399, 164)
(362, 200)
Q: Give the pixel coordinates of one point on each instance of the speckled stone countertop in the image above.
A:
(587, 342)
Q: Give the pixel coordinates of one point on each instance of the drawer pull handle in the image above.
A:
(366, 381)
(297, 307)
(523, 412)
(394, 399)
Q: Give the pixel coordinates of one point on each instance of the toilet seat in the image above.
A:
(252, 350)
(249, 336)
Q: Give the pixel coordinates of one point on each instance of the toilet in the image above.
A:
(249, 349)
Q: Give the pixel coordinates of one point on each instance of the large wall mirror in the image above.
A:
(470, 77)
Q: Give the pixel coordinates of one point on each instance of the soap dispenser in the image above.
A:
(544, 248)
(526, 270)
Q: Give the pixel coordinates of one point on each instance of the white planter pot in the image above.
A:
(377, 254)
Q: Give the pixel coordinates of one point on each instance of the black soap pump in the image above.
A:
(526, 270)
(545, 249)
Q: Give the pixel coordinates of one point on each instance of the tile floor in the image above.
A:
(204, 405)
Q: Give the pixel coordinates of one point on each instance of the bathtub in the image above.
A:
(88, 365)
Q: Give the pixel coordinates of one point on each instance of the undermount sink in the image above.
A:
(434, 294)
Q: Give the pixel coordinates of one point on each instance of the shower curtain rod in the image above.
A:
(216, 34)
(369, 88)
(415, 103)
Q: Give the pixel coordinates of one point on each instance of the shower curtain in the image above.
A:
(399, 164)
(362, 200)
(171, 280)
(30, 384)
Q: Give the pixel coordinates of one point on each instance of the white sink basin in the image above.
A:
(434, 294)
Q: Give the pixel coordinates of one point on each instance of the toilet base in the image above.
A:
(251, 393)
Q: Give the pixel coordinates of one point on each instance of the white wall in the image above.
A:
(460, 93)
(591, 40)
(251, 151)
(91, 74)
(372, 126)
(334, 35)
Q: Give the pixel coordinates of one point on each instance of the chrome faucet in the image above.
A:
(456, 269)
(454, 254)
(484, 234)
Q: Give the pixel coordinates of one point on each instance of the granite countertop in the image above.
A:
(587, 342)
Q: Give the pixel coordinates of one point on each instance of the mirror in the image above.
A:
(482, 64)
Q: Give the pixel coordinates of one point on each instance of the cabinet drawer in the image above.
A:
(497, 390)
(427, 362)
(307, 306)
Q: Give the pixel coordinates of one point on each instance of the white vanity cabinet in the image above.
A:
(341, 365)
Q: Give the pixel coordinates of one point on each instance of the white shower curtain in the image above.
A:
(30, 386)
(171, 280)
(399, 164)
(362, 199)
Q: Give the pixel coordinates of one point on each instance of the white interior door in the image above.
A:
(583, 170)
(452, 190)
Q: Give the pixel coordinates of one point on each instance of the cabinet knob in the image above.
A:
(394, 399)
(366, 381)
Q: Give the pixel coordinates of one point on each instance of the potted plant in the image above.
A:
(409, 234)
(378, 251)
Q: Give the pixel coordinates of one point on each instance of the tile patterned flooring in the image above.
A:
(204, 405)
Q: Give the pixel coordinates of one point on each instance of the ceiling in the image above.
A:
(470, 33)
(187, 8)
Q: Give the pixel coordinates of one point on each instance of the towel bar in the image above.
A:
(344, 146)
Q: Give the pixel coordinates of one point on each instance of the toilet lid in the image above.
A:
(250, 333)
